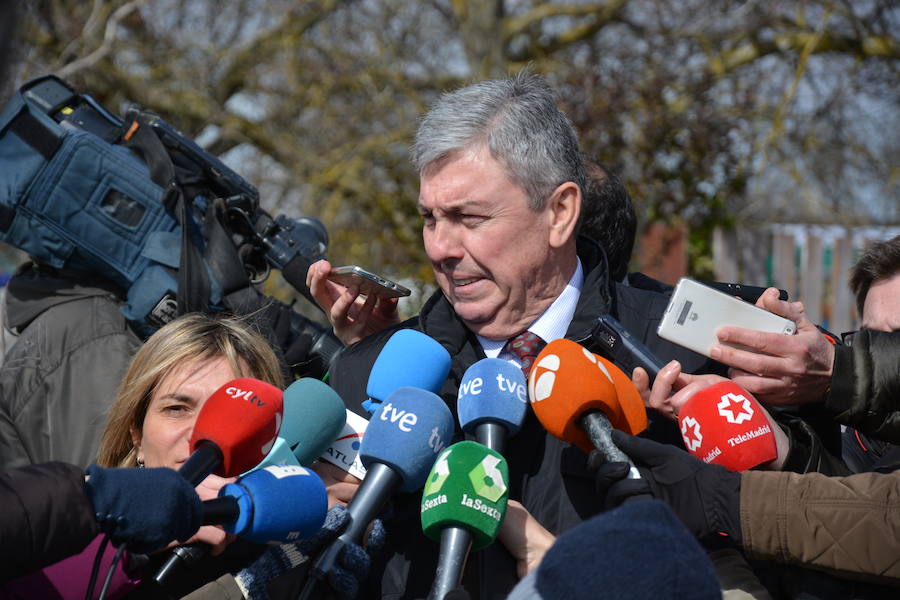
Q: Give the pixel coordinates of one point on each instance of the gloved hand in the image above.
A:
(350, 570)
(705, 497)
(143, 508)
(608, 473)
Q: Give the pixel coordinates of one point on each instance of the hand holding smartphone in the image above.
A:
(696, 311)
(367, 283)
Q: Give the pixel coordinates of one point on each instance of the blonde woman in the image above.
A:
(150, 424)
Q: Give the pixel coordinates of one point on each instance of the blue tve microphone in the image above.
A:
(273, 504)
(492, 401)
(409, 358)
(401, 444)
(314, 415)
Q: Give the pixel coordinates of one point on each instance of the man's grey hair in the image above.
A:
(518, 121)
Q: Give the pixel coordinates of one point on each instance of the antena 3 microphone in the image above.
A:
(575, 398)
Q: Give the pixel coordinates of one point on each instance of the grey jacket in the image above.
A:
(60, 376)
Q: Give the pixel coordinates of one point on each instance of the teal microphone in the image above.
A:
(463, 505)
(314, 415)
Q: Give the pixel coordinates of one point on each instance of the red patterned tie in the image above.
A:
(526, 346)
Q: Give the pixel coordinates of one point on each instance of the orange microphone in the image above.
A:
(580, 397)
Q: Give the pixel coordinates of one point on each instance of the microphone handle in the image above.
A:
(455, 545)
(181, 556)
(492, 435)
(203, 461)
(223, 510)
(363, 508)
(597, 426)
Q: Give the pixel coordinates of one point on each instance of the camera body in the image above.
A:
(84, 191)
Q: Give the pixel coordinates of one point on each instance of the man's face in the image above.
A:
(881, 310)
(490, 252)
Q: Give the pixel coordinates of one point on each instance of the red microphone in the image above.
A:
(578, 397)
(725, 425)
(235, 429)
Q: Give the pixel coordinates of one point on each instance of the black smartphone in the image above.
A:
(626, 351)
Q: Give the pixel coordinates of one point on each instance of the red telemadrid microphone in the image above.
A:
(235, 429)
(579, 397)
(723, 424)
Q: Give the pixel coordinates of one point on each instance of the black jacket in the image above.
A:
(548, 476)
(865, 384)
(46, 517)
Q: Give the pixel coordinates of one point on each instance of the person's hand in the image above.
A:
(143, 508)
(351, 316)
(524, 538)
(661, 397)
(705, 497)
(213, 535)
(344, 578)
(340, 485)
(779, 369)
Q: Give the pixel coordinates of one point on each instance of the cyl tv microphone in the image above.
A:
(723, 424)
(575, 396)
(235, 429)
(401, 443)
(463, 505)
(492, 401)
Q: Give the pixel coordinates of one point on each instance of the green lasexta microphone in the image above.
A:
(463, 505)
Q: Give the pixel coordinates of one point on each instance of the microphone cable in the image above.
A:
(95, 570)
(112, 569)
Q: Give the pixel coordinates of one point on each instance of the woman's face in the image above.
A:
(173, 409)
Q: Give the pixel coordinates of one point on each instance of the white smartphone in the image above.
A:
(696, 311)
(368, 283)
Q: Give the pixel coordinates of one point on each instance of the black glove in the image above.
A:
(611, 482)
(707, 498)
(143, 508)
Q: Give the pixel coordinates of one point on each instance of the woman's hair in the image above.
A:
(189, 338)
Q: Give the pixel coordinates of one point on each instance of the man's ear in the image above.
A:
(563, 206)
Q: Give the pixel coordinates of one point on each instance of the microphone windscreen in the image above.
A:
(492, 390)
(724, 425)
(634, 412)
(278, 504)
(279, 455)
(406, 433)
(409, 359)
(314, 415)
(567, 381)
(242, 418)
(468, 487)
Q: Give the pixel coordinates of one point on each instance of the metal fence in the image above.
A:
(811, 262)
